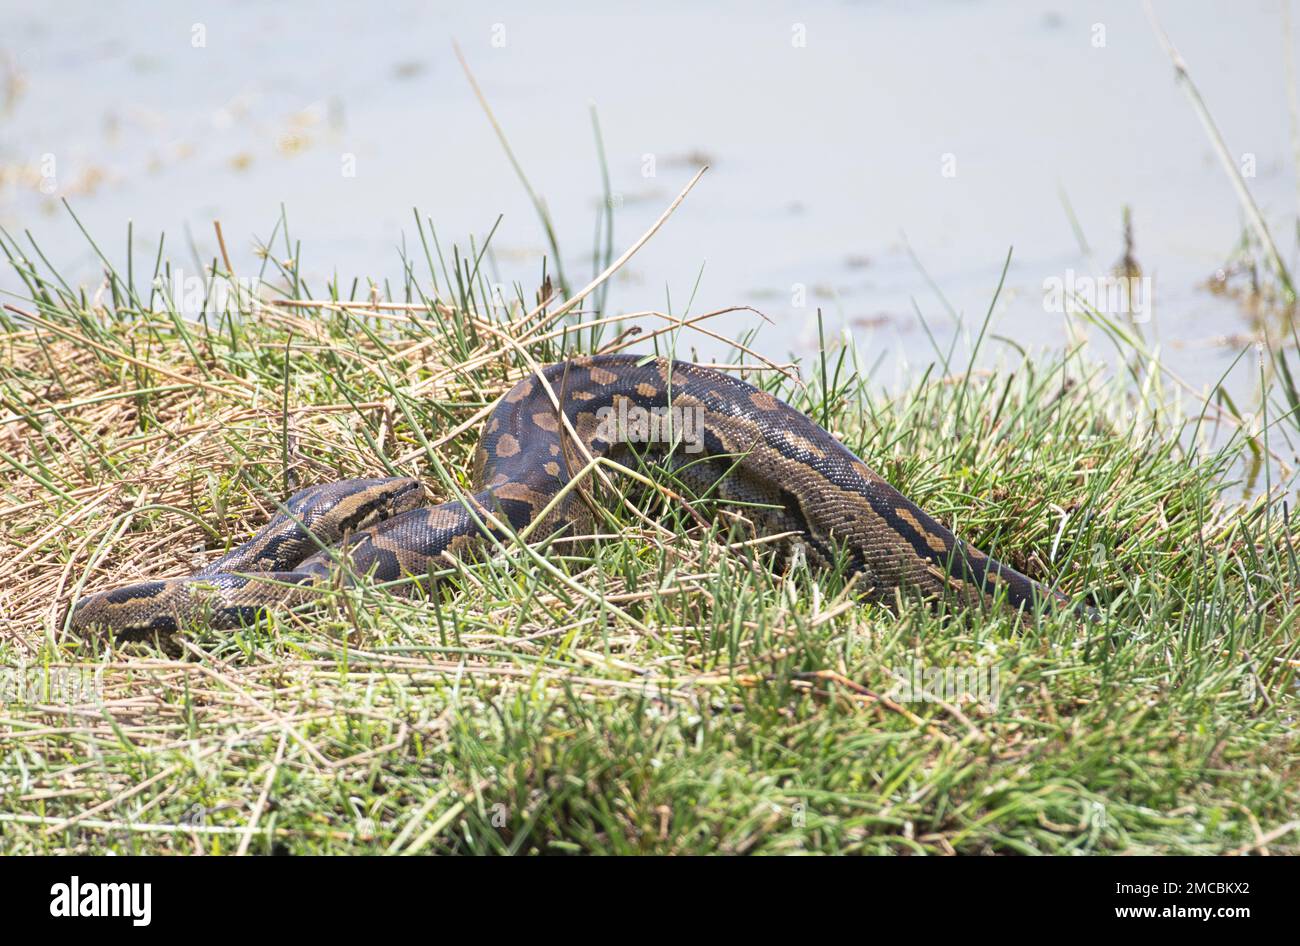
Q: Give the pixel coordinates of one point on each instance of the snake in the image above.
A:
(735, 449)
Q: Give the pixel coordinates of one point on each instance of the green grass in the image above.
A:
(655, 693)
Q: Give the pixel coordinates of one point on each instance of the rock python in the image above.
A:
(719, 437)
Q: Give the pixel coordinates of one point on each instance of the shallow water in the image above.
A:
(848, 142)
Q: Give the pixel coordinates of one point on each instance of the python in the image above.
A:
(782, 473)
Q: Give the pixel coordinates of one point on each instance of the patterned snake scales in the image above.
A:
(737, 444)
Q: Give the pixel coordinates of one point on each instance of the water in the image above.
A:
(894, 134)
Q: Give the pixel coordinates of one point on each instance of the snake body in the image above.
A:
(717, 436)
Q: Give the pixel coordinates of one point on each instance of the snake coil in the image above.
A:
(721, 438)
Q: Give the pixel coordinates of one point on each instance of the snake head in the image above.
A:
(134, 609)
(397, 495)
(334, 509)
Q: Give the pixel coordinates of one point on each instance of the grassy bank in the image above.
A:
(657, 693)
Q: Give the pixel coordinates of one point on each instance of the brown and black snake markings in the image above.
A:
(737, 445)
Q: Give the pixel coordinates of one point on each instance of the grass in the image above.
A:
(655, 693)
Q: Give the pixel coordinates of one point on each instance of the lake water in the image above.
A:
(850, 144)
